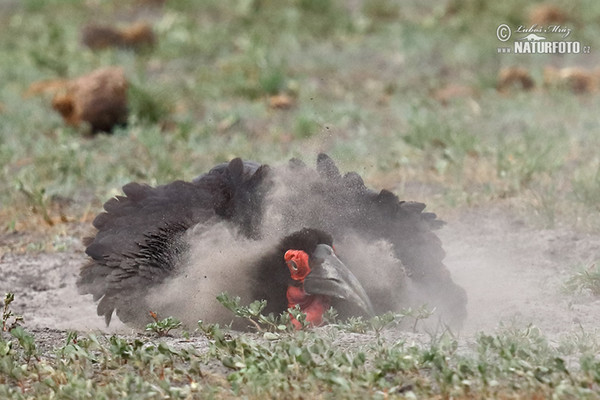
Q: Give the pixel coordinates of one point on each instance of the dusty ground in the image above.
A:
(515, 274)
(512, 273)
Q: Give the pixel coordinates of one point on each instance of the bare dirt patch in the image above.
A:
(515, 274)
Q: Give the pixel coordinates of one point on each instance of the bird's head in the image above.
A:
(319, 276)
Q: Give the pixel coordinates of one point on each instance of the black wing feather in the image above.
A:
(140, 235)
(139, 240)
(341, 204)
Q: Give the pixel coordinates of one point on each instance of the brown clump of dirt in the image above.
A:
(281, 102)
(544, 14)
(510, 78)
(577, 80)
(98, 98)
(135, 36)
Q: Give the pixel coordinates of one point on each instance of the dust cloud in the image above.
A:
(220, 259)
(514, 273)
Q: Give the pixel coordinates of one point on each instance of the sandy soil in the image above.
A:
(515, 274)
(512, 273)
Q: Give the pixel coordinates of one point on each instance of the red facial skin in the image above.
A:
(312, 305)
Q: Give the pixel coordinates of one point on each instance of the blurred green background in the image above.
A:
(403, 92)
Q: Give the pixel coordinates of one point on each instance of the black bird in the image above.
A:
(266, 233)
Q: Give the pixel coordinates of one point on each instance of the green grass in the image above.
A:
(300, 363)
(363, 78)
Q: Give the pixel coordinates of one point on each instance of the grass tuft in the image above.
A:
(10, 320)
(586, 279)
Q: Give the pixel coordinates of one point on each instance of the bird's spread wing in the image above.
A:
(139, 239)
(408, 228)
(342, 204)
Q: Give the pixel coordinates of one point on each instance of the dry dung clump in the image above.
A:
(281, 101)
(514, 78)
(135, 36)
(98, 98)
(544, 14)
(577, 80)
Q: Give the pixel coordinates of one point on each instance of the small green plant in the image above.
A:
(272, 80)
(149, 104)
(355, 324)
(26, 341)
(379, 322)
(10, 323)
(38, 201)
(305, 127)
(253, 314)
(78, 349)
(162, 327)
(9, 320)
(122, 349)
(418, 314)
(587, 279)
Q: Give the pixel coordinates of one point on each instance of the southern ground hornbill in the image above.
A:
(266, 233)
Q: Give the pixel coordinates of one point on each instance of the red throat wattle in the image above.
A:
(312, 305)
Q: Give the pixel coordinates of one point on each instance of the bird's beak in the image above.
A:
(330, 277)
